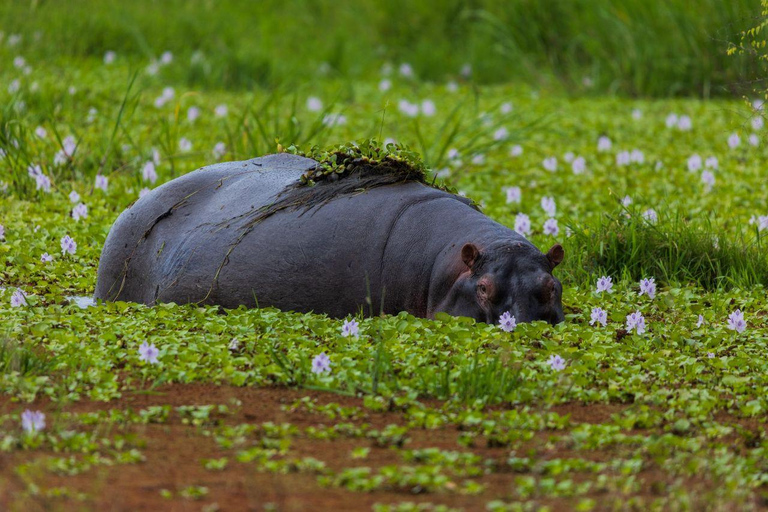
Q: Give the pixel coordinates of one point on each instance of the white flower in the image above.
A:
(314, 104)
(452, 86)
(153, 68)
(109, 57)
(523, 224)
(166, 58)
(466, 70)
(637, 114)
(513, 195)
(550, 164)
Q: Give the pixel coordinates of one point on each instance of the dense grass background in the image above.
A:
(631, 47)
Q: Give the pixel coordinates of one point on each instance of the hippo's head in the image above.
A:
(512, 276)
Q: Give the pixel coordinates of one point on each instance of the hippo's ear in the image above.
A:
(470, 254)
(555, 255)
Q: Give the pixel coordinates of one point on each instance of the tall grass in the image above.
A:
(672, 250)
(636, 47)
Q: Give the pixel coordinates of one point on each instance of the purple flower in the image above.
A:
(556, 362)
(74, 197)
(604, 284)
(599, 316)
(80, 211)
(234, 345)
(148, 353)
(42, 182)
(507, 322)
(711, 355)
(736, 321)
(636, 322)
(193, 113)
(734, 140)
(700, 321)
(650, 215)
(45, 258)
(579, 165)
(221, 111)
(548, 205)
(148, 172)
(550, 227)
(2, 232)
(101, 182)
(603, 144)
(219, 150)
(523, 224)
(550, 164)
(19, 298)
(513, 195)
(32, 421)
(350, 328)
(321, 364)
(648, 287)
(68, 245)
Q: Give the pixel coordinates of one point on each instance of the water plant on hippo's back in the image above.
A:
(324, 235)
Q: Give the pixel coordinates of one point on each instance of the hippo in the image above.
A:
(255, 233)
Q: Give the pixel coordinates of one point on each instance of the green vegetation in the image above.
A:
(413, 414)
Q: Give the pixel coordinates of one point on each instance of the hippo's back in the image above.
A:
(170, 217)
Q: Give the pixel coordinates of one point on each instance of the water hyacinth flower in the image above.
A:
(43, 182)
(700, 321)
(711, 162)
(684, 123)
(623, 158)
(507, 322)
(694, 163)
(550, 164)
(14, 86)
(74, 197)
(192, 114)
(332, 120)
(626, 201)
(598, 316)
(736, 321)
(579, 165)
(321, 364)
(650, 215)
(551, 227)
(711, 355)
(637, 114)
(636, 322)
(101, 182)
(428, 108)
(234, 345)
(556, 362)
(221, 110)
(45, 258)
(734, 141)
(32, 421)
(516, 150)
(68, 245)
(500, 134)
(219, 150)
(185, 145)
(548, 205)
(406, 70)
(604, 284)
(408, 108)
(708, 178)
(314, 104)
(148, 353)
(80, 211)
(19, 298)
(671, 120)
(385, 85)
(514, 194)
(166, 58)
(109, 57)
(350, 328)
(19, 62)
(569, 156)
(148, 172)
(637, 156)
(648, 287)
(754, 140)
(758, 123)
(478, 159)
(505, 108)
(2, 232)
(523, 224)
(40, 132)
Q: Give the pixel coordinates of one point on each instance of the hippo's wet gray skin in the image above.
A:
(422, 250)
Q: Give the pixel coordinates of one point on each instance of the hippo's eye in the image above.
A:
(481, 288)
